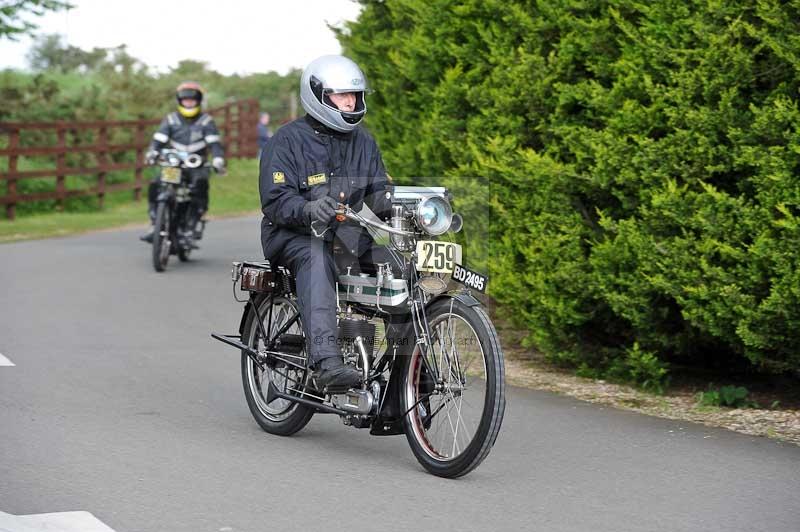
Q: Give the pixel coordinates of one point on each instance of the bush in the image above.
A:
(730, 396)
(640, 162)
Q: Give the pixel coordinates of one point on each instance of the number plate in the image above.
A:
(470, 279)
(437, 257)
(170, 174)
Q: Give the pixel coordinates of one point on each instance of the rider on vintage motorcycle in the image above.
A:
(192, 131)
(308, 168)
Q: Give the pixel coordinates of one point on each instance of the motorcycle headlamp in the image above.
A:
(434, 215)
(173, 159)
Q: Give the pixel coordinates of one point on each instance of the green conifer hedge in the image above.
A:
(640, 160)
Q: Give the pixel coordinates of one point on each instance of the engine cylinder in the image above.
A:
(350, 328)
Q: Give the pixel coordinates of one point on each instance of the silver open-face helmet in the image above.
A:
(333, 74)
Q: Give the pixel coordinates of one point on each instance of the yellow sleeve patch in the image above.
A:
(278, 178)
(316, 179)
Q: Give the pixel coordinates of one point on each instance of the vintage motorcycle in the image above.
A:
(431, 361)
(177, 221)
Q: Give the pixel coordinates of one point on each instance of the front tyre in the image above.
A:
(453, 419)
(280, 416)
(161, 242)
(186, 229)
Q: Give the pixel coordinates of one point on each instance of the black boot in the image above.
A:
(333, 373)
(148, 236)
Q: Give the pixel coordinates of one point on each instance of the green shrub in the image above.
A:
(641, 368)
(730, 396)
(639, 162)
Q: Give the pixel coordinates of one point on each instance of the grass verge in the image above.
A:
(235, 193)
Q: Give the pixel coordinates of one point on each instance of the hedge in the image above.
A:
(639, 164)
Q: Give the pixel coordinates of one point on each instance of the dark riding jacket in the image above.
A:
(304, 161)
(193, 135)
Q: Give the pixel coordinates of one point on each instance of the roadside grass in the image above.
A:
(233, 194)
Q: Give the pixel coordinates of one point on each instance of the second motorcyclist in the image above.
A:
(191, 130)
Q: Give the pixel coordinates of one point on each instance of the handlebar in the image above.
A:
(345, 212)
(175, 158)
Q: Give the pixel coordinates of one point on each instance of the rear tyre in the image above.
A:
(281, 417)
(453, 421)
(161, 234)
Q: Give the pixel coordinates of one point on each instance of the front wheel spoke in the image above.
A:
(467, 430)
(451, 328)
(453, 430)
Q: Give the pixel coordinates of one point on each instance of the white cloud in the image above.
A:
(232, 35)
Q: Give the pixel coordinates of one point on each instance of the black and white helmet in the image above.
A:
(333, 74)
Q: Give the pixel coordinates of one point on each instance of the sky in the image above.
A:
(233, 36)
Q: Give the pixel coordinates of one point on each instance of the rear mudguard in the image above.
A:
(244, 316)
(254, 299)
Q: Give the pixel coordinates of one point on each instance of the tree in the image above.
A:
(49, 52)
(12, 13)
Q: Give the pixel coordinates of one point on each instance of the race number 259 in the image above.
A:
(436, 256)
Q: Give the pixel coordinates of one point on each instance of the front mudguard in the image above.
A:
(165, 195)
(463, 296)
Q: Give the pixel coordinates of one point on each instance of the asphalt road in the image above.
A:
(120, 404)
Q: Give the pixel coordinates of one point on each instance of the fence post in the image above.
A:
(242, 117)
(61, 167)
(102, 163)
(226, 128)
(11, 185)
(251, 137)
(137, 181)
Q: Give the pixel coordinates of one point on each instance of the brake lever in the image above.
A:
(341, 212)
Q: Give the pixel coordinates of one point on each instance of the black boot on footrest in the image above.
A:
(148, 236)
(333, 374)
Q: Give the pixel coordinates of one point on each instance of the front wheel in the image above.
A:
(186, 230)
(455, 393)
(161, 237)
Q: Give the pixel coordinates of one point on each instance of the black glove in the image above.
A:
(322, 210)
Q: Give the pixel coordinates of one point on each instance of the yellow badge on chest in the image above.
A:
(317, 179)
(278, 178)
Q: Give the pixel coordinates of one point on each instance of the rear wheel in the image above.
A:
(161, 237)
(453, 419)
(279, 416)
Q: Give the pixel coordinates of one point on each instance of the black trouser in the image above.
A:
(199, 193)
(311, 261)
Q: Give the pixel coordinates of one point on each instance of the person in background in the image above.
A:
(264, 132)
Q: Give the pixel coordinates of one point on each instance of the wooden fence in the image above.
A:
(96, 148)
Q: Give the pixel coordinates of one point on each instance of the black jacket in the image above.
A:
(304, 161)
(196, 135)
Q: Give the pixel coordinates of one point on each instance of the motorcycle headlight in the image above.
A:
(434, 215)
